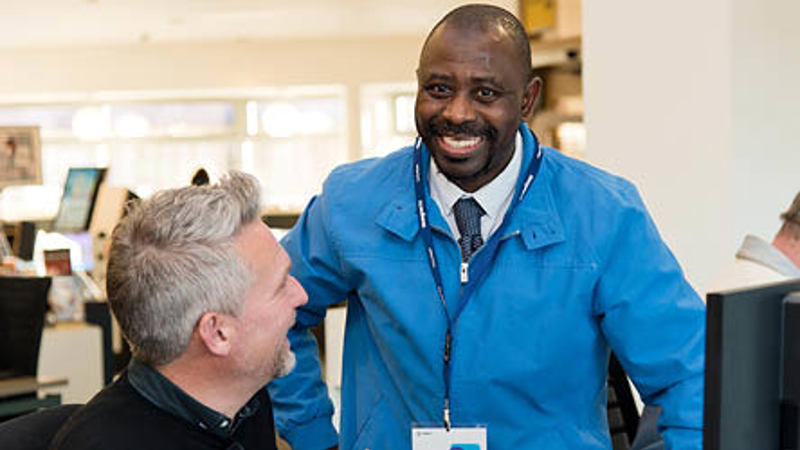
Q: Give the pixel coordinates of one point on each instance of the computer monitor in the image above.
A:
(77, 202)
(752, 368)
(20, 156)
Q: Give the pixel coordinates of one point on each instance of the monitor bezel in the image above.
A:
(759, 310)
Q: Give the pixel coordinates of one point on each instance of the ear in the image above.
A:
(529, 98)
(216, 332)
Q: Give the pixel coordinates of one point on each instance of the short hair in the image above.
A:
(172, 259)
(484, 17)
(791, 219)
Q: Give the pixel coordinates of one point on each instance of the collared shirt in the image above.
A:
(762, 252)
(494, 197)
(163, 393)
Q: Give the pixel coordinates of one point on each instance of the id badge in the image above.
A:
(472, 438)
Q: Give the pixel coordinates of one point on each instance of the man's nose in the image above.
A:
(300, 297)
(459, 110)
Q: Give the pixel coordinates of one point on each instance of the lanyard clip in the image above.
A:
(446, 414)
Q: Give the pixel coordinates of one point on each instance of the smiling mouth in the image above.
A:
(459, 146)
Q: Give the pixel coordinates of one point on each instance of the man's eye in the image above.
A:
(438, 89)
(486, 94)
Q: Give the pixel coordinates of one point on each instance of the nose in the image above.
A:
(459, 109)
(300, 297)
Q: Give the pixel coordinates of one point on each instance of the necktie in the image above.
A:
(468, 219)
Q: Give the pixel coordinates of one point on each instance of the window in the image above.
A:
(387, 117)
(289, 138)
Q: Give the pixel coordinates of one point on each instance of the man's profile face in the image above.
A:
(473, 91)
(269, 308)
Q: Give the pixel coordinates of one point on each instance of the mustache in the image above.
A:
(447, 128)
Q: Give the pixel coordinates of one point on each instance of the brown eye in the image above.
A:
(486, 94)
(438, 90)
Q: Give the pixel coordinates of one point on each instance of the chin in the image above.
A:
(285, 363)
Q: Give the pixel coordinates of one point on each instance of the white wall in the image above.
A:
(695, 102)
(46, 73)
(765, 150)
(209, 65)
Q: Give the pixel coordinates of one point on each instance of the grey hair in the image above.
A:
(172, 259)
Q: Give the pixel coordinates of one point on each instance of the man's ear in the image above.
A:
(216, 331)
(529, 98)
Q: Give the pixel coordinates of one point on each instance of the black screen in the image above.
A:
(744, 354)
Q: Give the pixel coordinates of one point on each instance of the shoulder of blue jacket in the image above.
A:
(371, 178)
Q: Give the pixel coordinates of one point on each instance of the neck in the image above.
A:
(210, 383)
(789, 247)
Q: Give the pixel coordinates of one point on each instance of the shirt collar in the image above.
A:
(163, 393)
(492, 196)
(762, 252)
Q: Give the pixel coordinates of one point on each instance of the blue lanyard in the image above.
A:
(474, 273)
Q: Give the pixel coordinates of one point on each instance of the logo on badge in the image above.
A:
(465, 447)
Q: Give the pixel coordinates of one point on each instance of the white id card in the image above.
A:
(455, 439)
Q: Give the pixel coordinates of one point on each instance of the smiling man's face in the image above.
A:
(473, 92)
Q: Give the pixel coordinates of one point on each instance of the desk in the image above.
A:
(19, 395)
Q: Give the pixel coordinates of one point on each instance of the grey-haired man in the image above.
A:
(203, 294)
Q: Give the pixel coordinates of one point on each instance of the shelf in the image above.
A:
(556, 52)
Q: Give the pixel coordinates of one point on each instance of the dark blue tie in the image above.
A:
(468, 219)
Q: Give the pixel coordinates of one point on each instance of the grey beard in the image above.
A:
(284, 363)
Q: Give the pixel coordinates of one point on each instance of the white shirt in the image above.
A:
(757, 262)
(494, 197)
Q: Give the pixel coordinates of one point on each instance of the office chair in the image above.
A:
(99, 313)
(23, 302)
(34, 431)
(623, 416)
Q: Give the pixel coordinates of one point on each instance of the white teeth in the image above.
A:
(461, 143)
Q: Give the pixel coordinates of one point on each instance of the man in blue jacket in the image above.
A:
(487, 278)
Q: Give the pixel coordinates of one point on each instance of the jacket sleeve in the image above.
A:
(301, 404)
(655, 323)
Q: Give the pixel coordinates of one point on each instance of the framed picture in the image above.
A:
(20, 156)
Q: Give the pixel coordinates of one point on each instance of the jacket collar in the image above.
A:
(535, 220)
(400, 218)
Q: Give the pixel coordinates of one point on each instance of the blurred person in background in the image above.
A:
(759, 262)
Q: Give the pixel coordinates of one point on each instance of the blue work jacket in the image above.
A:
(580, 270)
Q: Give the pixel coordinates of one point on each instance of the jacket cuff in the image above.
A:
(318, 434)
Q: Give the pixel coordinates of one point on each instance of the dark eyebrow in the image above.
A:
(438, 76)
(491, 81)
(488, 80)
